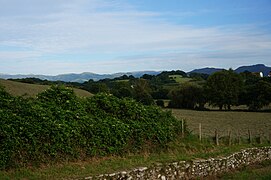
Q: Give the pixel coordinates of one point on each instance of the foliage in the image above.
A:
(223, 88)
(58, 125)
(258, 95)
(160, 103)
(187, 96)
(142, 92)
(96, 87)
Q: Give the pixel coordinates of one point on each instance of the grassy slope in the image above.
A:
(180, 79)
(222, 121)
(31, 90)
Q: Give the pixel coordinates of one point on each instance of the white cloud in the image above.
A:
(80, 26)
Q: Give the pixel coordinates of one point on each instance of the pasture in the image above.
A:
(180, 78)
(31, 90)
(223, 121)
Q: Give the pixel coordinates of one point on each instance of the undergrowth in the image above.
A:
(58, 126)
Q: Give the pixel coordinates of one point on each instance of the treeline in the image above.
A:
(222, 89)
(58, 126)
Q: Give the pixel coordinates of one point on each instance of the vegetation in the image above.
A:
(237, 122)
(32, 89)
(58, 126)
(256, 171)
(183, 149)
(222, 89)
(188, 96)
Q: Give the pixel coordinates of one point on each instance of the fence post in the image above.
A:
(260, 137)
(249, 137)
(200, 132)
(182, 128)
(216, 138)
(239, 138)
(229, 133)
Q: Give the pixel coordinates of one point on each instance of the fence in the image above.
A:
(230, 136)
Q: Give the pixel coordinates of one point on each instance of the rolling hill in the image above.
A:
(205, 70)
(255, 68)
(73, 77)
(251, 68)
(31, 90)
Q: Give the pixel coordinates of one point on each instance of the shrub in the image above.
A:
(58, 126)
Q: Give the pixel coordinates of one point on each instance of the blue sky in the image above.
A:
(108, 36)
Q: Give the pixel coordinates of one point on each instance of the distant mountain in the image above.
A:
(72, 77)
(205, 70)
(254, 68)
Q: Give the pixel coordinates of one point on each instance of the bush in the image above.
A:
(58, 126)
(160, 103)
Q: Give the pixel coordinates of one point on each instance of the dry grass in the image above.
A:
(256, 122)
(31, 90)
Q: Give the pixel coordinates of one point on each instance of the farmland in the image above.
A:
(31, 90)
(256, 122)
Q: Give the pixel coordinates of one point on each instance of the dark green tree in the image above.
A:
(142, 91)
(223, 88)
(188, 96)
(258, 95)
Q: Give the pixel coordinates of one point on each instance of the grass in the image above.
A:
(31, 90)
(257, 171)
(256, 122)
(184, 149)
(180, 78)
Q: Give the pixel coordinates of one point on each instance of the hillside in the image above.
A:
(205, 70)
(251, 68)
(255, 68)
(31, 90)
(73, 77)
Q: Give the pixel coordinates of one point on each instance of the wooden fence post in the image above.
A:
(182, 128)
(249, 137)
(200, 132)
(229, 134)
(216, 137)
(239, 138)
(260, 137)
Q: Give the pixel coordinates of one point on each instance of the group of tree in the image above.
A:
(224, 89)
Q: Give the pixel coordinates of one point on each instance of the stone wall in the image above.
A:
(193, 169)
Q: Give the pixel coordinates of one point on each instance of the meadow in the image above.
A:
(223, 121)
(31, 90)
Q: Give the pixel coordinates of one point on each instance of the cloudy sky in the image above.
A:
(106, 36)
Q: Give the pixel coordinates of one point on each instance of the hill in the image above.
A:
(255, 68)
(31, 90)
(205, 70)
(73, 77)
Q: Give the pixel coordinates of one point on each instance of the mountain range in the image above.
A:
(72, 77)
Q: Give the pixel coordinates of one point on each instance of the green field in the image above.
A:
(180, 78)
(31, 90)
(256, 122)
(256, 171)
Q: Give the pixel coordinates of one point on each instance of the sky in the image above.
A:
(107, 36)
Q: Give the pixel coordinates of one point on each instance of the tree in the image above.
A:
(142, 91)
(258, 95)
(121, 89)
(187, 96)
(223, 88)
(96, 87)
